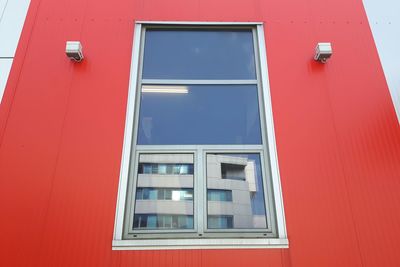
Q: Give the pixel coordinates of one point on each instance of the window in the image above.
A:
(199, 168)
(219, 195)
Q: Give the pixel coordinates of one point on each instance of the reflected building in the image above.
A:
(165, 192)
(235, 176)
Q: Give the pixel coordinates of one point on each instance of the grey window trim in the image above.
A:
(270, 132)
(194, 82)
(249, 239)
(128, 136)
(195, 147)
(199, 23)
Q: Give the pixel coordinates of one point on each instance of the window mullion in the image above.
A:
(180, 148)
(138, 94)
(200, 182)
(195, 82)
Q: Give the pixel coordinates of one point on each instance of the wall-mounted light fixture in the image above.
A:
(73, 49)
(323, 51)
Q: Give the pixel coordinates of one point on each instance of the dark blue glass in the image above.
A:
(198, 54)
(203, 114)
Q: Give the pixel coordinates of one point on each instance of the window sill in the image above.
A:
(239, 243)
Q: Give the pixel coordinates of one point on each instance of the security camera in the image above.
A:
(73, 49)
(323, 51)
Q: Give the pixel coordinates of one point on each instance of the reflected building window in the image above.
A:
(220, 222)
(163, 221)
(219, 195)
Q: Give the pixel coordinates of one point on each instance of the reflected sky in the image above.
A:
(206, 114)
(198, 54)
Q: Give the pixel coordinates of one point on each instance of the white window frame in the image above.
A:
(281, 240)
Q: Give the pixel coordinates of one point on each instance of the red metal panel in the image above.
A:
(305, 128)
(61, 130)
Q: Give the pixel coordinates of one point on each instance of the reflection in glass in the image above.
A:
(239, 174)
(219, 195)
(207, 114)
(162, 221)
(168, 168)
(220, 221)
(198, 54)
(164, 192)
(176, 194)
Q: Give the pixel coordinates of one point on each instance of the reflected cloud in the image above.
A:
(165, 89)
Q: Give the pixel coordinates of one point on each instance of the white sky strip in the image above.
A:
(11, 25)
(385, 25)
(12, 18)
(3, 4)
(5, 67)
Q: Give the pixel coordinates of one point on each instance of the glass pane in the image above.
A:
(139, 193)
(232, 202)
(219, 195)
(176, 194)
(199, 114)
(164, 194)
(153, 194)
(199, 54)
(220, 221)
(168, 194)
(162, 221)
(155, 168)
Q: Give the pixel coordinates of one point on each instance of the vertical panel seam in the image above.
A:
(344, 173)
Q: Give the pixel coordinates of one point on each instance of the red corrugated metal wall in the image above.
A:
(61, 133)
